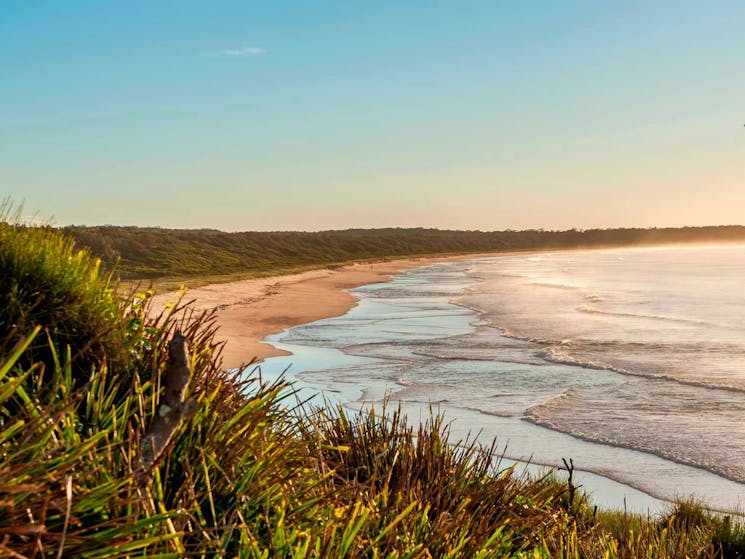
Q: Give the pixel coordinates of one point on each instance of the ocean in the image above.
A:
(629, 361)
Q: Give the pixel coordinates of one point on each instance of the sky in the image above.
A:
(310, 115)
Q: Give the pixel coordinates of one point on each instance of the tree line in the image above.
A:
(150, 252)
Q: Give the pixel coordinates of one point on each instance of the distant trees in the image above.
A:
(148, 252)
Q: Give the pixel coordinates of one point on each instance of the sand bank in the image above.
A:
(249, 310)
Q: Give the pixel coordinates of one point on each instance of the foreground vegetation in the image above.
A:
(156, 253)
(247, 474)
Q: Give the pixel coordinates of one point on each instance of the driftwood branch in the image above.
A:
(173, 410)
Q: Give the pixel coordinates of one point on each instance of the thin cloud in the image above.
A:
(244, 51)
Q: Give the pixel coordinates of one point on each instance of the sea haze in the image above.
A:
(630, 361)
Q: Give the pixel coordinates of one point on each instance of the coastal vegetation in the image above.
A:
(251, 472)
(150, 253)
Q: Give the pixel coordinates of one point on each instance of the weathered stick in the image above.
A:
(173, 410)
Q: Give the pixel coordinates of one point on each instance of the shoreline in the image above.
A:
(600, 469)
(247, 311)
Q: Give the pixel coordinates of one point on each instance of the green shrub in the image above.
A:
(46, 282)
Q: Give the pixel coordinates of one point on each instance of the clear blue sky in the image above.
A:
(462, 114)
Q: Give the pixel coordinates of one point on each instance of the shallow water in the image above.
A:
(630, 361)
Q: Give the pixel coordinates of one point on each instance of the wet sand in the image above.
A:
(249, 310)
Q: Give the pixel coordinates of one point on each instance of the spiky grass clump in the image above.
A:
(454, 494)
(45, 282)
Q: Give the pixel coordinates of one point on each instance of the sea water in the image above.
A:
(629, 361)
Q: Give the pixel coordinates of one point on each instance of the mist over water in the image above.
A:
(670, 311)
(631, 361)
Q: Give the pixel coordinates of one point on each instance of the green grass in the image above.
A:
(47, 282)
(249, 475)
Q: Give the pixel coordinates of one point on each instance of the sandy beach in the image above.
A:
(249, 310)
